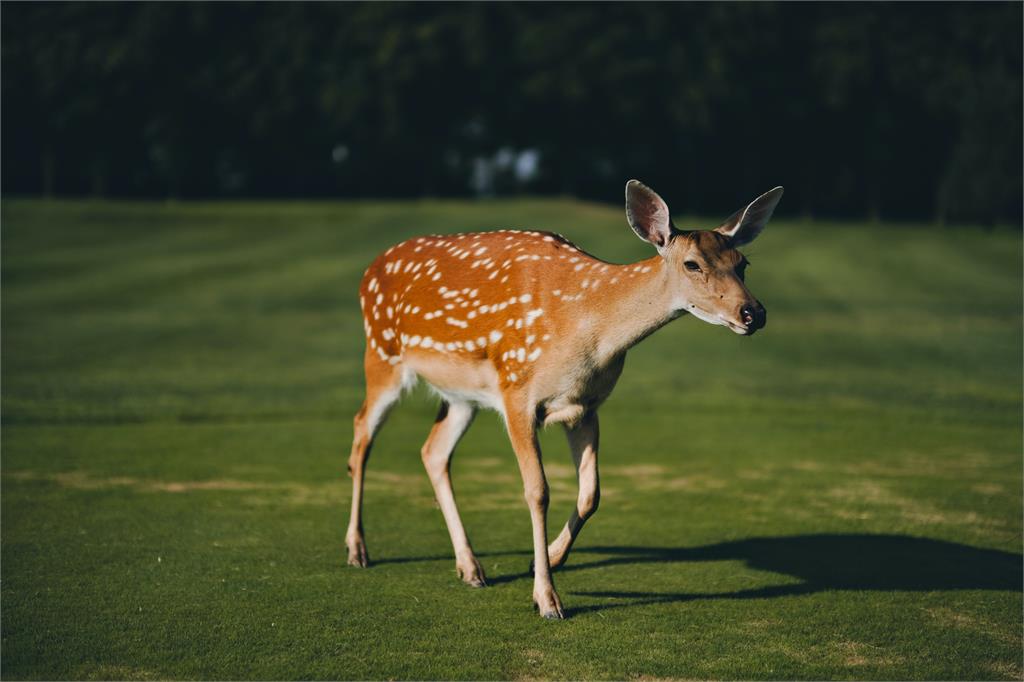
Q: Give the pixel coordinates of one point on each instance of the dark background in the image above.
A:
(892, 111)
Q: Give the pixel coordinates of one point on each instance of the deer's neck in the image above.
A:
(640, 305)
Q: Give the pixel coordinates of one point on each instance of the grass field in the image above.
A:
(837, 497)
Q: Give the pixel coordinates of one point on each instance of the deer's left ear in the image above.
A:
(648, 214)
(744, 225)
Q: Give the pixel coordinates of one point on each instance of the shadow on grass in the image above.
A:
(822, 562)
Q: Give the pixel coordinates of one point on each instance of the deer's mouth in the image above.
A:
(740, 329)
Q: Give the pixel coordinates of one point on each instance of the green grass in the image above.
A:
(837, 497)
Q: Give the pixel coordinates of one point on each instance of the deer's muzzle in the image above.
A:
(754, 316)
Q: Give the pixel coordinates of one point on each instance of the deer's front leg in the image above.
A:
(522, 432)
(583, 445)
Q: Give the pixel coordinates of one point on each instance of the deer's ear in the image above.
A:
(744, 225)
(648, 214)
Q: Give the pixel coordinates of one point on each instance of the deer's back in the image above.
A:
(499, 306)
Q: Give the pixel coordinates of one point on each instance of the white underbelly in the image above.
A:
(459, 383)
(477, 398)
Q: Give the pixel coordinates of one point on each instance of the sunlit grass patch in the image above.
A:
(838, 497)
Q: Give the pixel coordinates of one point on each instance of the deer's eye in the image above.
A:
(692, 266)
(741, 270)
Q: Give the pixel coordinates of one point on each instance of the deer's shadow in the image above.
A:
(820, 562)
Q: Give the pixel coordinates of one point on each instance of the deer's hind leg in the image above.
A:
(383, 387)
(452, 421)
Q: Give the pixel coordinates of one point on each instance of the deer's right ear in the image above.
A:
(648, 214)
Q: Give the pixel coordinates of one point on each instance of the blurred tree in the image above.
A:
(896, 110)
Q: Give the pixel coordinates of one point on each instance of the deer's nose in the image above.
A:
(753, 315)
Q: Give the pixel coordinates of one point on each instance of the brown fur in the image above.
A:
(528, 324)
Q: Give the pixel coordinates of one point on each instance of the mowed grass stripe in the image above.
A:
(838, 497)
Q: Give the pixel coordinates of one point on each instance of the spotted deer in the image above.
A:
(529, 325)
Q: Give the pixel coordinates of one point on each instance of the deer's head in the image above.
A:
(706, 270)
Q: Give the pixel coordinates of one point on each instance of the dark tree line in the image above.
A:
(903, 110)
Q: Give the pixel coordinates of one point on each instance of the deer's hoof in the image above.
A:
(548, 605)
(357, 555)
(471, 572)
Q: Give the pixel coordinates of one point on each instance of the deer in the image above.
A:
(529, 325)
